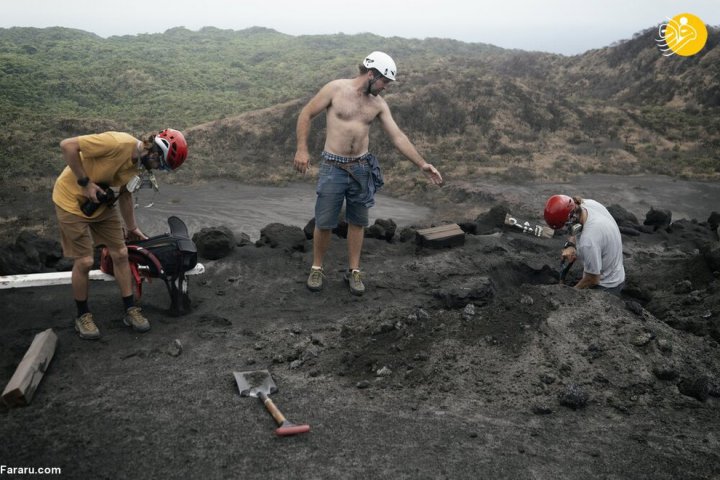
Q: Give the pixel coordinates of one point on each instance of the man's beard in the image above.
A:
(145, 160)
(373, 91)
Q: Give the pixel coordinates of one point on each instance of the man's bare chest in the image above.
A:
(354, 109)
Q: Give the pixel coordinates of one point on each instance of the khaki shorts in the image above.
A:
(78, 235)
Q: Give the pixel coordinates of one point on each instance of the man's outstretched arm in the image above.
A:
(405, 146)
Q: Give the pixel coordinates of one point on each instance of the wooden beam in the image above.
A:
(45, 279)
(449, 235)
(63, 278)
(21, 387)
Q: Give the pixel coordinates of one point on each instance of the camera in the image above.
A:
(108, 198)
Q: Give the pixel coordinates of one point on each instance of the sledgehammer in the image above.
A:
(565, 264)
(564, 269)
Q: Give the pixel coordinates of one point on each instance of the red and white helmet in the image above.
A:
(174, 148)
(383, 63)
(558, 210)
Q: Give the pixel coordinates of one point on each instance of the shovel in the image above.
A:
(259, 384)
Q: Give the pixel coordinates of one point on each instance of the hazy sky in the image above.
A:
(560, 26)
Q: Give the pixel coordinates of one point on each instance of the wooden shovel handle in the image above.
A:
(270, 406)
(285, 428)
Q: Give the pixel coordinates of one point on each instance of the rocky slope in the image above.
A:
(456, 361)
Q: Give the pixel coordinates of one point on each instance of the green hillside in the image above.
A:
(473, 109)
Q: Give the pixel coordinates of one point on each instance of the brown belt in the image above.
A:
(346, 166)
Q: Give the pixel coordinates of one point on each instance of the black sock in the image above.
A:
(128, 301)
(82, 307)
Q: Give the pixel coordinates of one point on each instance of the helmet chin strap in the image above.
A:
(371, 82)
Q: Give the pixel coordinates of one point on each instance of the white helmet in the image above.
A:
(381, 62)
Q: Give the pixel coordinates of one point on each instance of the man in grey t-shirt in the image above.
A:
(598, 245)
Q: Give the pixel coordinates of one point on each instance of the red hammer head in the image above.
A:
(288, 429)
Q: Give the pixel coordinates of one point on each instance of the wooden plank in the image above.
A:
(21, 387)
(441, 235)
(63, 278)
(439, 229)
(44, 279)
(449, 235)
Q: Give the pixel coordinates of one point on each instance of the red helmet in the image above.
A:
(558, 210)
(174, 148)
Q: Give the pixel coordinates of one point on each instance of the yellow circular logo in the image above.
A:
(684, 34)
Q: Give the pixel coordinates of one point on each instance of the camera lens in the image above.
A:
(89, 207)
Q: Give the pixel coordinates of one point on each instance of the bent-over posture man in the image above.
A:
(95, 164)
(598, 244)
(348, 172)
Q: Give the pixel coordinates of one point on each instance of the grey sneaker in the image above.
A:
(135, 319)
(85, 326)
(354, 280)
(315, 280)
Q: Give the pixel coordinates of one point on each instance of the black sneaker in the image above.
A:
(354, 280)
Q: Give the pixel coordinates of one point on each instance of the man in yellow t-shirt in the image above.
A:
(95, 165)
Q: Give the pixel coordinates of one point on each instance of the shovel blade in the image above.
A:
(251, 383)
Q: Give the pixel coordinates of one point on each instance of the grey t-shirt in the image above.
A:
(599, 245)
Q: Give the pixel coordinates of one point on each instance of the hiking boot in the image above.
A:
(354, 280)
(315, 280)
(134, 318)
(85, 326)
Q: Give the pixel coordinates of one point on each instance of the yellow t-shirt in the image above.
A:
(106, 158)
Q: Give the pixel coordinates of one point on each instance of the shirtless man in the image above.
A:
(348, 172)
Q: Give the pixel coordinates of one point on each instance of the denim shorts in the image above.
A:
(336, 185)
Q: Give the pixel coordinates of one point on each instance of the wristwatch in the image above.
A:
(83, 182)
(569, 244)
